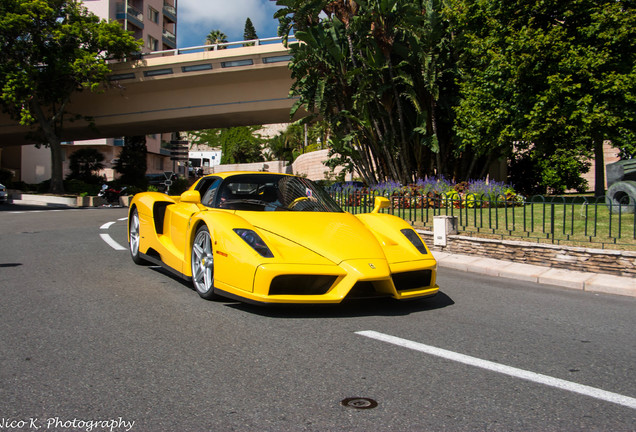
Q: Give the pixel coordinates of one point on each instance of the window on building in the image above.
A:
(153, 44)
(153, 15)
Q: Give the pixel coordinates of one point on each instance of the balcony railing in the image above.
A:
(131, 14)
(214, 47)
(170, 12)
(169, 38)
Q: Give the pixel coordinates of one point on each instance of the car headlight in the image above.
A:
(415, 239)
(253, 239)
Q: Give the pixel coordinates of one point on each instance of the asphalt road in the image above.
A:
(87, 336)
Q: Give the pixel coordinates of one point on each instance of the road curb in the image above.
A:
(570, 279)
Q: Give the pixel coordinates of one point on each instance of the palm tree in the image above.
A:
(216, 37)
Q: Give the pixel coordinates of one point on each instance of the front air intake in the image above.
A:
(412, 280)
(301, 284)
(366, 290)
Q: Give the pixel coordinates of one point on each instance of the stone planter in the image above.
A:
(90, 201)
(97, 201)
(83, 201)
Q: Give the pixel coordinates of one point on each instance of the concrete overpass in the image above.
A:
(173, 91)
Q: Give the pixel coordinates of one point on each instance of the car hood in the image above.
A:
(335, 236)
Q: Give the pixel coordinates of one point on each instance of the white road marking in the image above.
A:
(108, 239)
(615, 398)
(112, 243)
(39, 211)
(122, 219)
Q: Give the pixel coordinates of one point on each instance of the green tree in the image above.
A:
(551, 78)
(132, 163)
(84, 164)
(238, 144)
(209, 137)
(50, 49)
(216, 37)
(249, 32)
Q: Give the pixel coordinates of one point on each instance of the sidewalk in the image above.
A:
(592, 282)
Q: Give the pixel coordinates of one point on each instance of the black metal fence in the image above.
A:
(584, 221)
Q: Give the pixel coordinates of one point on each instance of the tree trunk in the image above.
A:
(599, 168)
(57, 174)
(54, 142)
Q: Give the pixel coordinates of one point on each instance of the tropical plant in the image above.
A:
(380, 72)
(84, 164)
(217, 38)
(298, 138)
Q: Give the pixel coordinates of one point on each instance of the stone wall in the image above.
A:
(271, 166)
(615, 262)
(312, 165)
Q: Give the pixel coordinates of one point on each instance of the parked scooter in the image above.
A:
(112, 195)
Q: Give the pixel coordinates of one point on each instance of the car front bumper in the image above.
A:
(352, 279)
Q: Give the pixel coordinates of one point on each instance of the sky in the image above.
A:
(196, 18)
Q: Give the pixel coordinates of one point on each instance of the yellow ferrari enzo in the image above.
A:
(276, 238)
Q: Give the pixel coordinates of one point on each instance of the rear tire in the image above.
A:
(202, 263)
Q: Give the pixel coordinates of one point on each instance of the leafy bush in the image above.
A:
(5, 177)
(79, 187)
(179, 186)
(133, 190)
(21, 186)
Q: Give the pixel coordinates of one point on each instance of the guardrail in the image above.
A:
(215, 47)
(558, 220)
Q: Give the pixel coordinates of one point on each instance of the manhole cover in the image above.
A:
(359, 403)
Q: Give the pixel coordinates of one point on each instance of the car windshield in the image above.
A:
(272, 192)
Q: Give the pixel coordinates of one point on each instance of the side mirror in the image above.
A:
(191, 196)
(380, 203)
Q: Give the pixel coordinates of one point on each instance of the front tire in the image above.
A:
(134, 238)
(202, 262)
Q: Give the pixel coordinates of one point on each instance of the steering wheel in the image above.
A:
(296, 201)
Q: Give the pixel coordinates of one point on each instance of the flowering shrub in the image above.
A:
(432, 193)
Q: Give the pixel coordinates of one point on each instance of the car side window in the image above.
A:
(207, 188)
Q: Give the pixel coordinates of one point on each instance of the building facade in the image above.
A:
(154, 22)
